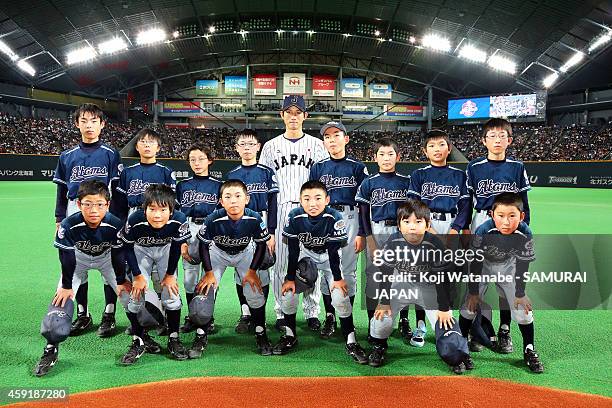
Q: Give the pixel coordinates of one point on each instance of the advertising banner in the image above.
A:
(380, 91)
(294, 84)
(181, 107)
(404, 110)
(323, 85)
(207, 87)
(235, 85)
(264, 85)
(352, 87)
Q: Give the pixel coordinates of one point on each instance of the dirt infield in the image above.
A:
(464, 392)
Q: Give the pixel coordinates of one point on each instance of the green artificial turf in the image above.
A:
(574, 345)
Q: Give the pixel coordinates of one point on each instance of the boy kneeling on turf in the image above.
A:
(403, 280)
(227, 238)
(507, 245)
(317, 231)
(85, 240)
(152, 239)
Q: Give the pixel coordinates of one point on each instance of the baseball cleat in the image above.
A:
(48, 360)
(285, 345)
(199, 345)
(151, 346)
(263, 344)
(329, 327)
(243, 325)
(314, 324)
(187, 327)
(136, 350)
(504, 342)
(357, 352)
(280, 325)
(377, 356)
(176, 348)
(533, 361)
(107, 326)
(83, 323)
(469, 363)
(458, 369)
(403, 327)
(418, 337)
(210, 328)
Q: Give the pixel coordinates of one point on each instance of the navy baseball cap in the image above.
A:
(294, 100)
(333, 124)
(451, 345)
(305, 275)
(482, 330)
(56, 324)
(201, 308)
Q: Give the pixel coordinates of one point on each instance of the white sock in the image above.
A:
(289, 332)
(138, 338)
(174, 335)
(331, 314)
(245, 310)
(81, 309)
(421, 325)
(351, 338)
(110, 308)
(199, 331)
(259, 329)
(504, 327)
(529, 347)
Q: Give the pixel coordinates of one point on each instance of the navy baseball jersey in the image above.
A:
(316, 232)
(341, 177)
(135, 179)
(138, 231)
(488, 178)
(74, 234)
(87, 162)
(498, 248)
(233, 236)
(198, 196)
(384, 192)
(260, 181)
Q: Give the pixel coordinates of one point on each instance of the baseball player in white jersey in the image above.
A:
(291, 155)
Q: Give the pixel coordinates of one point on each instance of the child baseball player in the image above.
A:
(507, 245)
(379, 196)
(85, 240)
(227, 238)
(409, 271)
(318, 232)
(197, 197)
(90, 160)
(342, 176)
(152, 239)
(263, 190)
(487, 177)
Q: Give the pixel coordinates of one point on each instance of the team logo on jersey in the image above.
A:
(332, 182)
(339, 225)
(431, 190)
(293, 160)
(120, 168)
(92, 249)
(262, 225)
(184, 229)
(137, 187)
(380, 196)
(257, 187)
(488, 186)
(232, 242)
(152, 241)
(60, 232)
(307, 239)
(173, 175)
(193, 197)
(82, 173)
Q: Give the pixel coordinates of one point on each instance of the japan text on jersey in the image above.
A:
(233, 236)
(488, 178)
(440, 188)
(138, 231)
(198, 196)
(260, 181)
(81, 163)
(135, 179)
(315, 232)
(341, 177)
(384, 192)
(497, 247)
(74, 234)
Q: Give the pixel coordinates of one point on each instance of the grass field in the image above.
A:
(574, 345)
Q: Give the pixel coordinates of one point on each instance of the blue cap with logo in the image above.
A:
(451, 345)
(294, 100)
(333, 124)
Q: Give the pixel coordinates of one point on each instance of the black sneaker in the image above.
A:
(210, 329)
(357, 352)
(244, 324)
(533, 361)
(107, 326)
(176, 348)
(198, 346)
(377, 356)
(187, 327)
(404, 330)
(136, 350)
(469, 363)
(504, 342)
(163, 331)
(285, 344)
(458, 369)
(280, 325)
(151, 346)
(314, 324)
(263, 344)
(82, 324)
(48, 360)
(475, 347)
(329, 327)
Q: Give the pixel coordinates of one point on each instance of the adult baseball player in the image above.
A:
(291, 155)
(341, 175)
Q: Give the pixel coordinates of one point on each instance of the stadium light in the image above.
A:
(212, 29)
(111, 46)
(472, 53)
(243, 33)
(176, 34)
(26, 67)
(502, 64)
(576, 58)
(549, 80)
(412, 39)
(152, 36)
(279, 32)
(8, 51)
(435, 42)
(377, 33)
(80, 55)
(310, 32)
(601, 40)
(347, 35)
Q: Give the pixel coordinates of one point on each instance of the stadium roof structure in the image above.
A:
(381, 40)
